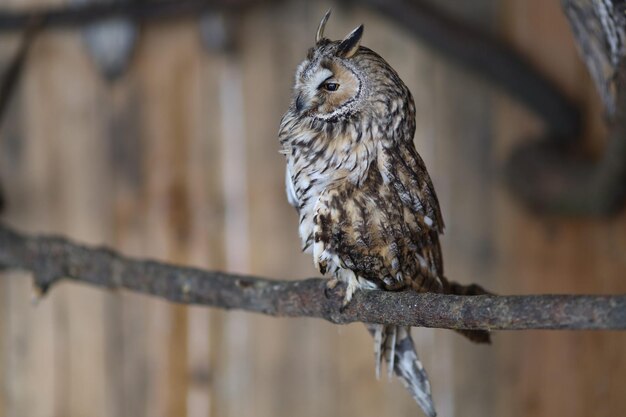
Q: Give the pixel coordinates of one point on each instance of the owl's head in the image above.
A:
(339, 80)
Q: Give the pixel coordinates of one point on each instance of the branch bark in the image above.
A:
(52, 259)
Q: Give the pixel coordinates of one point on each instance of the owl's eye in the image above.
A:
(330, 86)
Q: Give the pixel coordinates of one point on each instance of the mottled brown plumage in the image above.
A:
(368, 210)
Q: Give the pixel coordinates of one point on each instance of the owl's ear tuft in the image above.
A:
(320, 29)
(350, 44)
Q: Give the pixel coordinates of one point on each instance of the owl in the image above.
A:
(367, 207)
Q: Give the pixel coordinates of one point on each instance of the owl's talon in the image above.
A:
(346, 300)
(331, 284)
(327, 292)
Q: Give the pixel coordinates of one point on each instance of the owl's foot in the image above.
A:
(350, 290)
(353, 285)
(331, 284)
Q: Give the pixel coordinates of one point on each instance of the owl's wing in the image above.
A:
(404, 171)
(371, 230)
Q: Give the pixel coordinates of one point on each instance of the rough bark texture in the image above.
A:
(53, 258)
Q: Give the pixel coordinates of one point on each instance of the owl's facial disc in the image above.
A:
(326, 89)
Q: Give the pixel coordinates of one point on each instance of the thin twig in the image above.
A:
(52, 259)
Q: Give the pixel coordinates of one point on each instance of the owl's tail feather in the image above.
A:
(451, 287)
(395, 346)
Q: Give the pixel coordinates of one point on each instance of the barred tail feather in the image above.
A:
(411, 372)
(395, 345)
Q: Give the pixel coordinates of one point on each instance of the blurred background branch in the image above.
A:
(76, 16)
(557, 177)
(52, 259)
(11, 75)
(458, 41)
(547, 174)
(552, 177)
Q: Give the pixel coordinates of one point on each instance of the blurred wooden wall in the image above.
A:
(178, 161)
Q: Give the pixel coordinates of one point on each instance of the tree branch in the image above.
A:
(464, 44)
(52, 259)
(485, 55)
(78, 15)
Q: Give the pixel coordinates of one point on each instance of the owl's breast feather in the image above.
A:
(317, 168)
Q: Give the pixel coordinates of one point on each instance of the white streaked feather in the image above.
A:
(290, 190)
